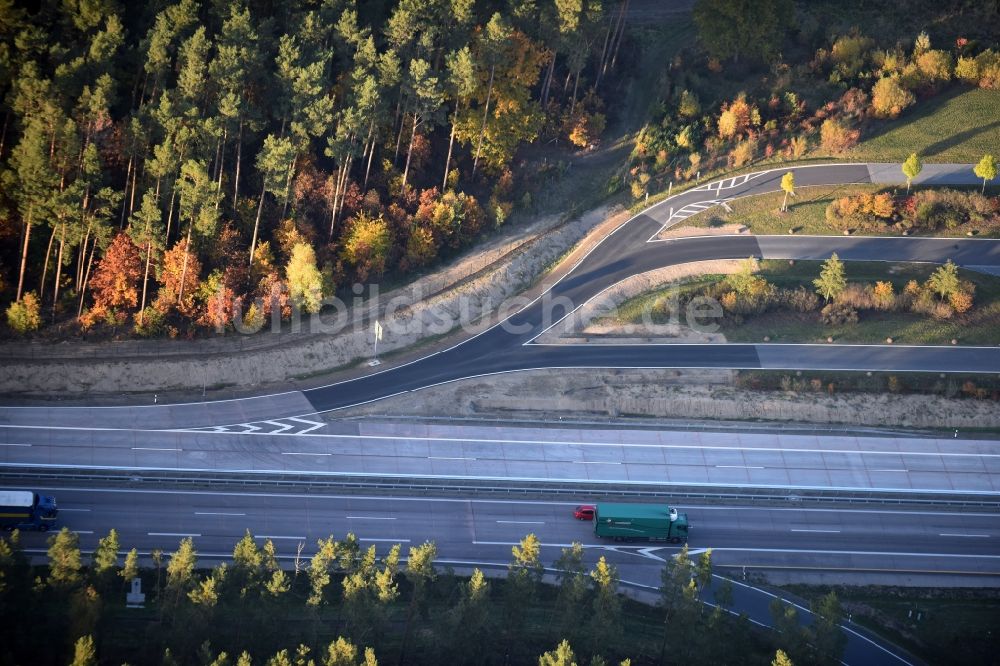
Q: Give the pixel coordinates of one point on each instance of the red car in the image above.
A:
(584, 512)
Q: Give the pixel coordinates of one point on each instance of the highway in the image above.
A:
(480, 532)
(286, 433)
(640, 459)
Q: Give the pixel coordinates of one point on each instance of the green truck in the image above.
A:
(640, 522)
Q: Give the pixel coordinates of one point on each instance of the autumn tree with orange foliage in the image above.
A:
(171, 272)
(115, 283)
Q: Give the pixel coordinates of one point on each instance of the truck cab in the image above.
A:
(27, 510)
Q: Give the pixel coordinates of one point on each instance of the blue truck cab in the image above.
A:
(27, 510)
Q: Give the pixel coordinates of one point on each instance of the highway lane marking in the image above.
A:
(818, 531)
(303, 453)
(889, 470)
(370, 517)
(84, 531)
(792, 551)
(154, 448)
(62, 508)
(739, 467)
(633, 445)
(217, 513)
(585, 462)
(448, 458)
(272, 536)
(384, 540)
(22, 445)
(521, 522)
(173, 534)
(948, 534)
(916, 513)
(484, 440)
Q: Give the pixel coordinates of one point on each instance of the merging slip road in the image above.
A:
(631, 249)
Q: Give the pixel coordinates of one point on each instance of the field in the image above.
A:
(958, 126)
(979, 326)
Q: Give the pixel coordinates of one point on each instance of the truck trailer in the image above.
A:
(640, 522)
(27, 510)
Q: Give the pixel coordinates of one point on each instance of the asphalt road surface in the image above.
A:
(470, 532)
(629, 250)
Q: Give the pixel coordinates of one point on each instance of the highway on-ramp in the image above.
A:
(630, 249)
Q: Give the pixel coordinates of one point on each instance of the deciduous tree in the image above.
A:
(305, 284)
(986, 169)
(911, 169)
(735, 28)
(788, 187)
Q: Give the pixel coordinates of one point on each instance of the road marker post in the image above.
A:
(378, 336)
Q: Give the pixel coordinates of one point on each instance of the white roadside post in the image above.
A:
(378, 336)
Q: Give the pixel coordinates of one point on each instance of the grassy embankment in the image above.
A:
(979, 326)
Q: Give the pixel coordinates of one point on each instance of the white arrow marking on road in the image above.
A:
(314, 424)
(283, 426)
(648, 552)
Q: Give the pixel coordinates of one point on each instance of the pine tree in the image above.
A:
(573, 590)
(147, 233)
(64, 559)
(84, 653)
(180, 569)
(106, 556)
(563, 655)
(945, 281)
(605, 622)
(130, 569)
(461, 85)
(831, 281)
(420, 572)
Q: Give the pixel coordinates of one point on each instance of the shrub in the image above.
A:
(24, 315)
(935, 65)
(934, 209)
(848, 54)
(798, 146)
(838, 314)
(889, 98)
(836, 136)
(883, 296)
(800, 299)
(743, 153)
(689, 106)
(960, 301)
(870, 212)
(858, 296)
(967, 71)
(153, 323)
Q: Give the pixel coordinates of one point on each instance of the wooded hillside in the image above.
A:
(162, 163)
